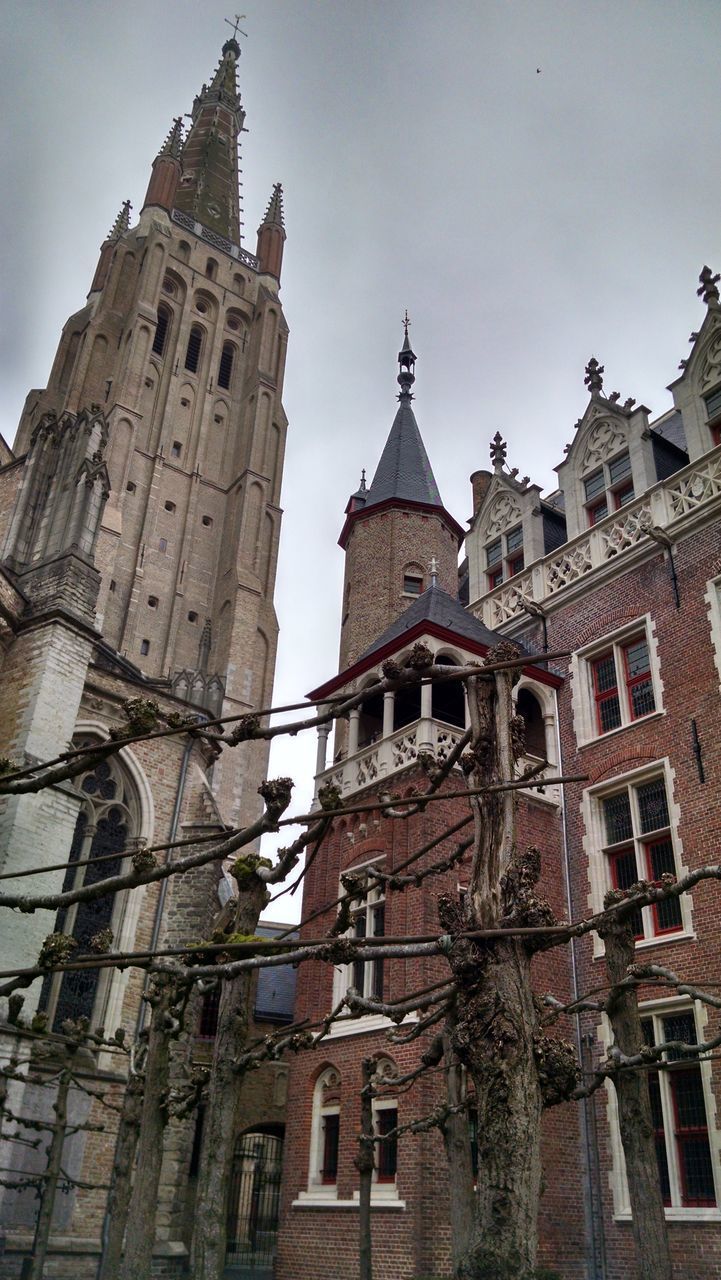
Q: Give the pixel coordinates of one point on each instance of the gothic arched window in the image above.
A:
(106, 823)
(161, 330)
(225, 370)
(195, 345)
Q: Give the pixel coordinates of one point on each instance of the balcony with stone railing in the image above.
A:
(388, 755)
(668, 507)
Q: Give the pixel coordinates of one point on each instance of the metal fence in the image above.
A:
(253, 1206)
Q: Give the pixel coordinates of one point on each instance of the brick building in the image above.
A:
(139, 527)
(621, 565)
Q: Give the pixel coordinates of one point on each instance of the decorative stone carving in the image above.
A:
(569, 566)
(504, 512)
(708, 287)
(711, 361)
(594, 375)
(693, 490)
(604, 438)
(625, 532)
(405, 750)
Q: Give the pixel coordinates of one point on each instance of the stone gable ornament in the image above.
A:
(708, 287)
(594, 376)
(498, 450)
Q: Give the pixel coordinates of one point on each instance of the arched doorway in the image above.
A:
(253, 1205)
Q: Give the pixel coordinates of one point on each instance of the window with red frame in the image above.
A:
(331, 1138)
(623, 684)
(610, 487)
(387, 1159)
(678, 1110)
(639, 846)
(504, 557)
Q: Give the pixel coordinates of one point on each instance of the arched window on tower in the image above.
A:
(107, 821)
(325, 1133)
(225, 369)
(449, 702)
(161, 330)
(194, 348)
(528, 706)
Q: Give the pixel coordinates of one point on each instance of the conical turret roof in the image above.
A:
(404, 470)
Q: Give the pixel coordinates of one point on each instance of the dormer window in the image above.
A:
(713, 410)
(501, 566)
(609, 488)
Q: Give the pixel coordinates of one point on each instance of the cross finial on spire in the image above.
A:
(594, 375)
(239, 17)
(406, 322)
(362, 486)
(407, 361)
(708, 289)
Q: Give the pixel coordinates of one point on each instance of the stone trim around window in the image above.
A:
(595, 843)
(617, 1175)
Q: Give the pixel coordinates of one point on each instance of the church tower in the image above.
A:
(180, 350)
(393, 530)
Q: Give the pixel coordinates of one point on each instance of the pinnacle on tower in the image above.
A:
(122, 222)
(271, 235)
(404, 472)
(173, 144)
(274, 213)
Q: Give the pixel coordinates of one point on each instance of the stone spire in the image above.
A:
(107, 249)
(209, 188)
(165, 176)
(271, 235)
(122, 222)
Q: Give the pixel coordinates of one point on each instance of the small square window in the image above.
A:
(192, 616)
(144, 647)
(170, 506)
(494, 551)
(495, 578)
(130, 487)
(176, 449)
(112, 584)
(207, 521)
(152, 602)
(412, 584)
(162, 544)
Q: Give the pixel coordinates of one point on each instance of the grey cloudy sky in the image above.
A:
(525, 220)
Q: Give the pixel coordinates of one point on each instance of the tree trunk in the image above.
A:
(365, 1164)
(634, 1113)
(121, 1184)
(456, 1136)
(224, 1092)
(496, 1026)
(140, 1233)
(50, 1181)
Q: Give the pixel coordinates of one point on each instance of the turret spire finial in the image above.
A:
(232, 46)
(407, 362)
(708, 287)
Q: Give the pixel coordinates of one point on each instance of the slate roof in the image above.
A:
(404, 470)
(436, 606)
(275, 992)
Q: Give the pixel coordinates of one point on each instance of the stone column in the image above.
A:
(425, 727)
(389, 703)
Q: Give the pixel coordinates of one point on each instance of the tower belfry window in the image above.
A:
(195, 345)
(161, 330)
(225, 370)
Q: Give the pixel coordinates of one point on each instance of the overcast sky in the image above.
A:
(537, 181)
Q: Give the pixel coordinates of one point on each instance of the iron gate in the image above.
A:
(253, 1205)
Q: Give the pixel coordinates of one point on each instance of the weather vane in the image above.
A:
(406, 322)
(239, 17)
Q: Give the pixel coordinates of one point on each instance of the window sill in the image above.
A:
(311, 1200)
(643, 944)
(678, 1214)
(613, 733)
(368, 1022)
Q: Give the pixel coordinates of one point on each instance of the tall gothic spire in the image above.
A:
(208, 188)
(164, 179)
(122, 222)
